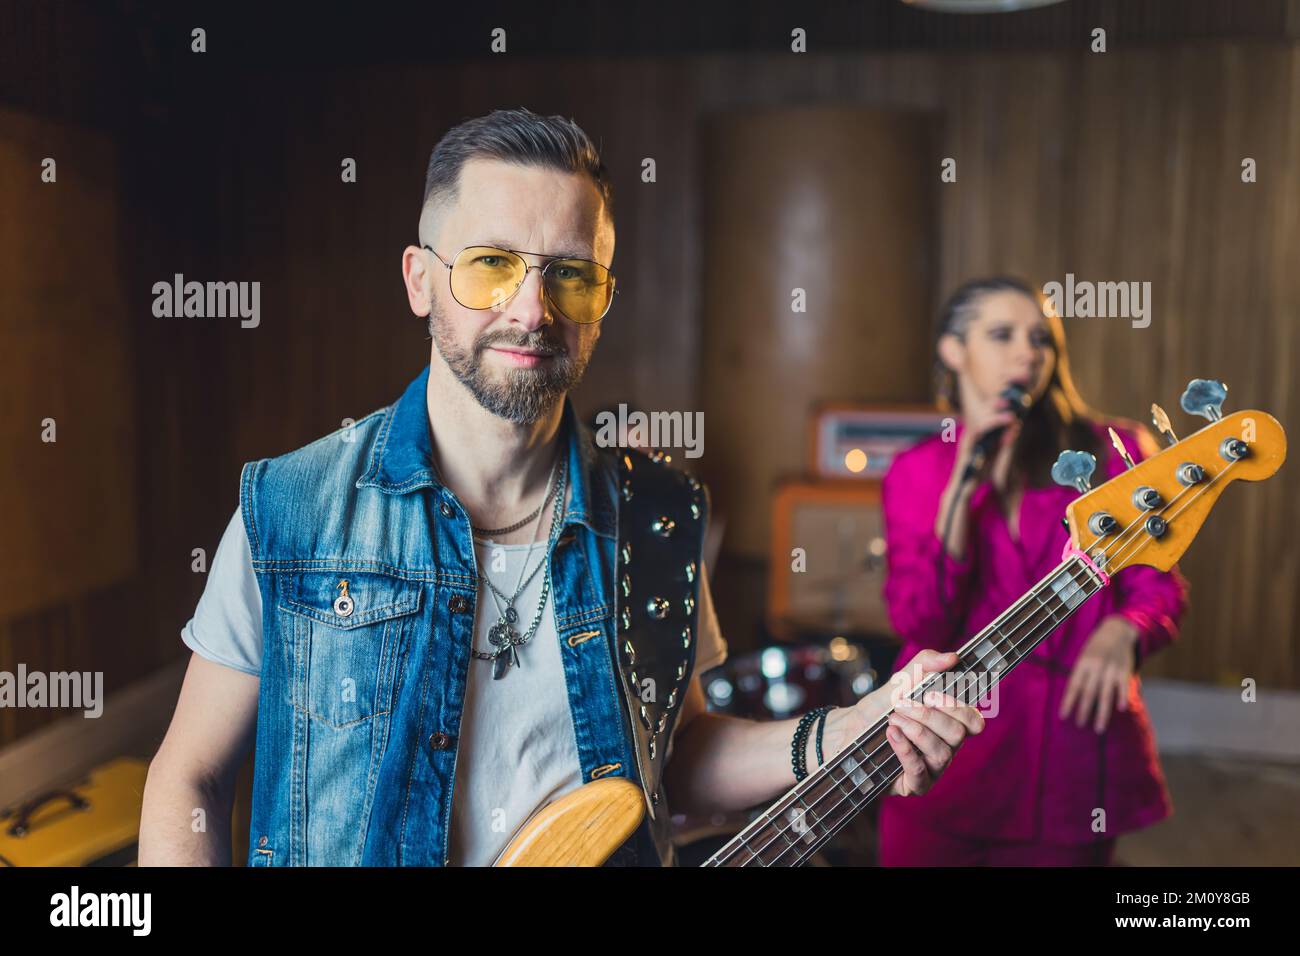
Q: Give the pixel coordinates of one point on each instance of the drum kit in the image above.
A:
(778, 682)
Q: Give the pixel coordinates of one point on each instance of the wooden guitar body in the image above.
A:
(582, 828)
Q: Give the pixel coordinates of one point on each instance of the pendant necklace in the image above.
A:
(503, 637)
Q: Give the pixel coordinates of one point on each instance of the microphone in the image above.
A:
(1019, 401)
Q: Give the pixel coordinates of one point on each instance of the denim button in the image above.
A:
(445, 509)
(441, 741)
(343, 604)
(261, 841)
(457, 604)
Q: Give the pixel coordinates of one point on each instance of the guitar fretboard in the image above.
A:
(794, 827)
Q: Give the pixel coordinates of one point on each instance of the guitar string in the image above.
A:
(873, 793)
(864, 739)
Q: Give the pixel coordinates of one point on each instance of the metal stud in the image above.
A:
(627, 462)
(653, 748)
(695, 510)
(693, 482)
(663, 722)
(686, 637)
(657, 608)
(627, 585)
(626, 490)
(672, 699)
(681, 671)
(628, 652)
(626, 551)
(663, 526)
(690, 572)
(688, 602)
(645, 717)
(625, 617)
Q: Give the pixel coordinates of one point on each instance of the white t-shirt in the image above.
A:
(517, 745)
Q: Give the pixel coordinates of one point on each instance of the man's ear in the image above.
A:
(415, 275)
(952, 352)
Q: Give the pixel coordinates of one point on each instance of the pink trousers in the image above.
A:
(905, 843)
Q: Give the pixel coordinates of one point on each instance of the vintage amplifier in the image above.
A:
(827, 564)
(855, 441)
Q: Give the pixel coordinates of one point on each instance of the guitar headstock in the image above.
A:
(1158, 506)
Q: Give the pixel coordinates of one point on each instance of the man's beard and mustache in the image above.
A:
(519, 395)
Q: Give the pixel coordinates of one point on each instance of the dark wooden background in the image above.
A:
(1121, 166)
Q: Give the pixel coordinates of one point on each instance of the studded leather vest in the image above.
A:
(662, 514)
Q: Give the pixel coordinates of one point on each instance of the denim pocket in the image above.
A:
(344, 632)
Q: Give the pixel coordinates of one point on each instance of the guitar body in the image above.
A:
(582, 828)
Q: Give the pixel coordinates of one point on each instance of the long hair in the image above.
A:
(1058, 419)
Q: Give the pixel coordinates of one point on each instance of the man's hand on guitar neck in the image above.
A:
(724, 764)
(924, 736)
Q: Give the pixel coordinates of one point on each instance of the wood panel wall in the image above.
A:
(850, 225)
(62, 293)
(1117, 166)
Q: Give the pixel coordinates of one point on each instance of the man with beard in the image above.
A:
(418, 623)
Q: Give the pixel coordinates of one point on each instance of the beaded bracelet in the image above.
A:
(821, 726)
(798, 759)
(799, 745)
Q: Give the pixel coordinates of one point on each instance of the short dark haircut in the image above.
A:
(514, 136)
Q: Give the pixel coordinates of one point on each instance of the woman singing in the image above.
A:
(1069, 761)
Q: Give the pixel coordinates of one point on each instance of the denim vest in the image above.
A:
(363, 683)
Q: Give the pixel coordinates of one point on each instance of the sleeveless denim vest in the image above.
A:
(367, 572)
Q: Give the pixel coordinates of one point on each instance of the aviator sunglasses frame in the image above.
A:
(551, 260)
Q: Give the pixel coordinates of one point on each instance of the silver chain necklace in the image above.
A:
(502, 635)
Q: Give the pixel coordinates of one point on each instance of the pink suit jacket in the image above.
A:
(1029, 775)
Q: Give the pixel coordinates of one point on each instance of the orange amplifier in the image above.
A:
(827, 564)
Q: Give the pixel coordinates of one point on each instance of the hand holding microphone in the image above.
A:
(990, 429)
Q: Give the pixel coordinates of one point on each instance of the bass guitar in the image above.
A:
(1146, 515)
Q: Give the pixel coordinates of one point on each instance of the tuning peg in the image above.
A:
(1119, 447)
(1161, 421)
(1073, 469)
(1204, 397)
